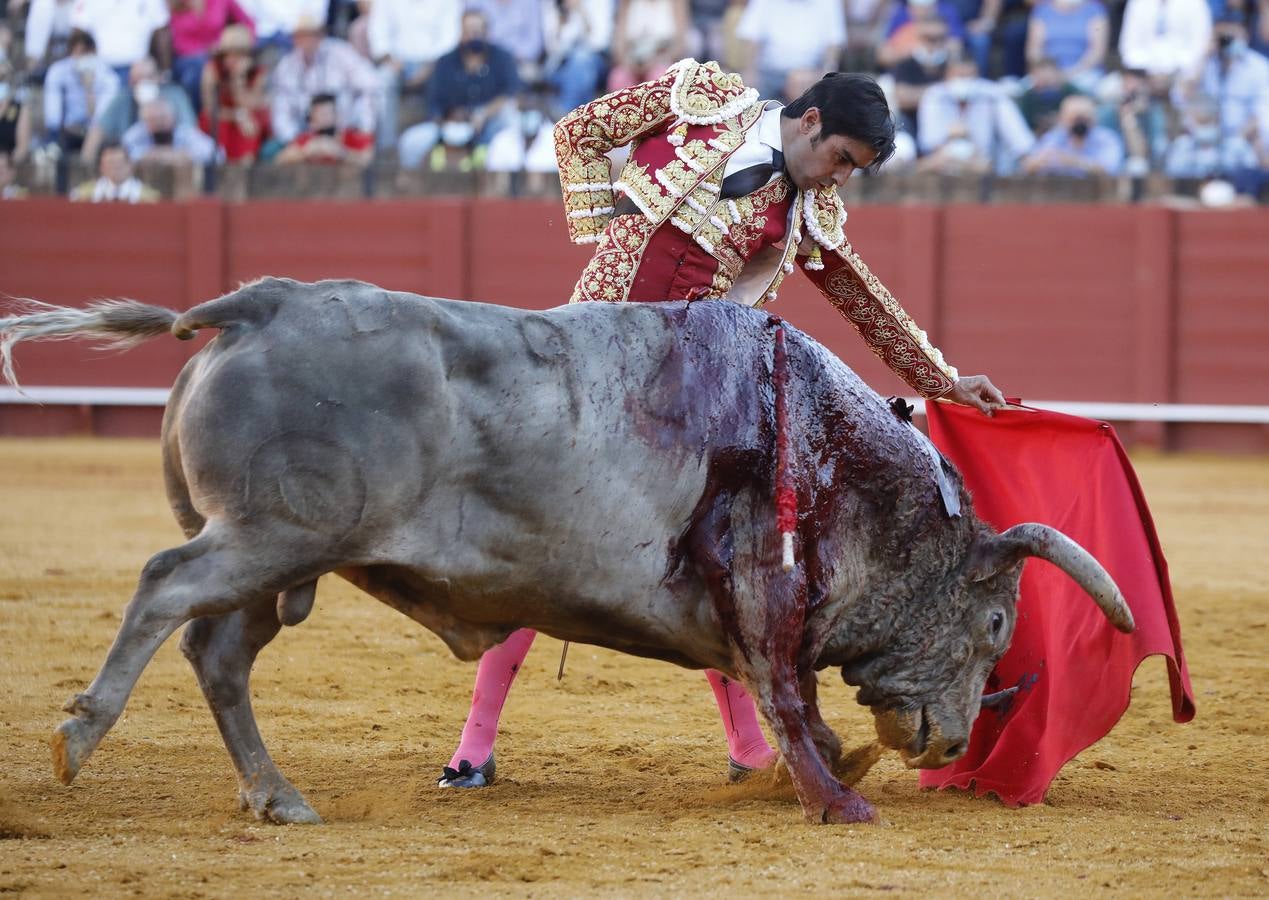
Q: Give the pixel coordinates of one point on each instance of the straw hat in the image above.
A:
(235, 39)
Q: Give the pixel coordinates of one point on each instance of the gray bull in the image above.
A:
(602, 473)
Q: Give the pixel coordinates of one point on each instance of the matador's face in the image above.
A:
(814, 161)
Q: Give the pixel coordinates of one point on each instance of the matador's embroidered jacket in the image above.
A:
(686, 242)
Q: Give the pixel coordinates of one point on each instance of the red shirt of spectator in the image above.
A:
(324, 142)
(235, 109)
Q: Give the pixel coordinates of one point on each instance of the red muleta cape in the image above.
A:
(1074, 669)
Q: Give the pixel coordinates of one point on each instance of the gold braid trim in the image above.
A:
(883, 324)
(688, 90)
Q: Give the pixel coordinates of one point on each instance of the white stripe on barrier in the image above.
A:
(1146, 412)
(84, 396)
(1117, 412)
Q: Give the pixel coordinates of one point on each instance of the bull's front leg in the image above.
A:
(825, 738)
(763, 610)
(774, 684)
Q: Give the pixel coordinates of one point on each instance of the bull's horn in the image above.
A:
(1033, 539)
(999, 698)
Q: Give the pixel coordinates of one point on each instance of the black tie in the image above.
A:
(746, 181)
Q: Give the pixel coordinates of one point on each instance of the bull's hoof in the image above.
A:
(465, 776)
(72, 745)
(279, 806)
(849, 809)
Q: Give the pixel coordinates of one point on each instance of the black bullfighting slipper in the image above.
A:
(738, 772)
(467, 777)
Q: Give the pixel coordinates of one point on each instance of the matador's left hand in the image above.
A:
(976, 391)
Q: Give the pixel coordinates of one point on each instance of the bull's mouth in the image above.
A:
(916, 748)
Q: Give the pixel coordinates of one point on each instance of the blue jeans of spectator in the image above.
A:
(577, 79)
(418, 140)
(188, 72)
(389, 106)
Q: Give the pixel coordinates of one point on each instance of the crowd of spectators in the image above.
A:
(989, 88)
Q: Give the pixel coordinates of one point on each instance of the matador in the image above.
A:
(721, 197)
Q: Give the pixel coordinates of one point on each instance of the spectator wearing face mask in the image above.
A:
(515, 26)
(470, 98)
(1203, 151)
(324, 142)
(529, 148)
(159, 138)
(1077, 146)
(406, 38)
(77, 90)
(1254, 14)
(1234, 76)
(1072, 33)
(116, 183)
(901, 29)
(1046, 88)
(924, 66)
(124, 109)
(973, 108)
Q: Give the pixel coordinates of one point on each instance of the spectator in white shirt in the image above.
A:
(124, 31)
(1164, 37)
(158, 138)
(48, 28)
(785, 35)
(577, 34)
(322, 65)
(406, 37)
(76, 90)
(968, 108)
(1234, 76)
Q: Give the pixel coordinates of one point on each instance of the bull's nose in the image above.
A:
(954, 751)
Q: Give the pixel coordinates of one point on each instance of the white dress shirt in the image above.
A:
(1165, 37)
(760, 140)
(121, 28)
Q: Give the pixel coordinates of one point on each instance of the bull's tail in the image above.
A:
(116, 324)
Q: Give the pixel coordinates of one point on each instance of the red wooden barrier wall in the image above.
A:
(1059, 303)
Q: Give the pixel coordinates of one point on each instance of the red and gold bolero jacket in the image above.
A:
(683, 127)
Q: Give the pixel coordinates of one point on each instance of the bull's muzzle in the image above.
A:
(920, 739)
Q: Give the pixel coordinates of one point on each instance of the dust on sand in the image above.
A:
(611, 781)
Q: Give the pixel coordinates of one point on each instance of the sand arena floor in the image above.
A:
(611, 781)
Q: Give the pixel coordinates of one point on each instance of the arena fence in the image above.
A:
(1158, 312)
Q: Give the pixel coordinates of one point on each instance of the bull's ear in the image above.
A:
(994, 555)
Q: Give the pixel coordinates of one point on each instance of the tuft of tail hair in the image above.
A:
(114, 324)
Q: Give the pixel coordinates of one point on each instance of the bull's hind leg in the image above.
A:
(222, 650)
(214, 573)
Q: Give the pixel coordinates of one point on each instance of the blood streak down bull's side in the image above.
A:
(600, 472)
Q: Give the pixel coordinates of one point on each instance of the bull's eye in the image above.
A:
(997, 623)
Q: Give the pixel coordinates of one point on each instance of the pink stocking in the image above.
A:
(498, 668)
(745, 741)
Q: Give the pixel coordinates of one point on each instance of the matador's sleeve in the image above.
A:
(863, 300)
(584, 137)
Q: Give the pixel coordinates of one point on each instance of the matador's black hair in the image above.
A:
(853, 105)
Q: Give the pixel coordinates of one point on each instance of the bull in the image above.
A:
(602, 473)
